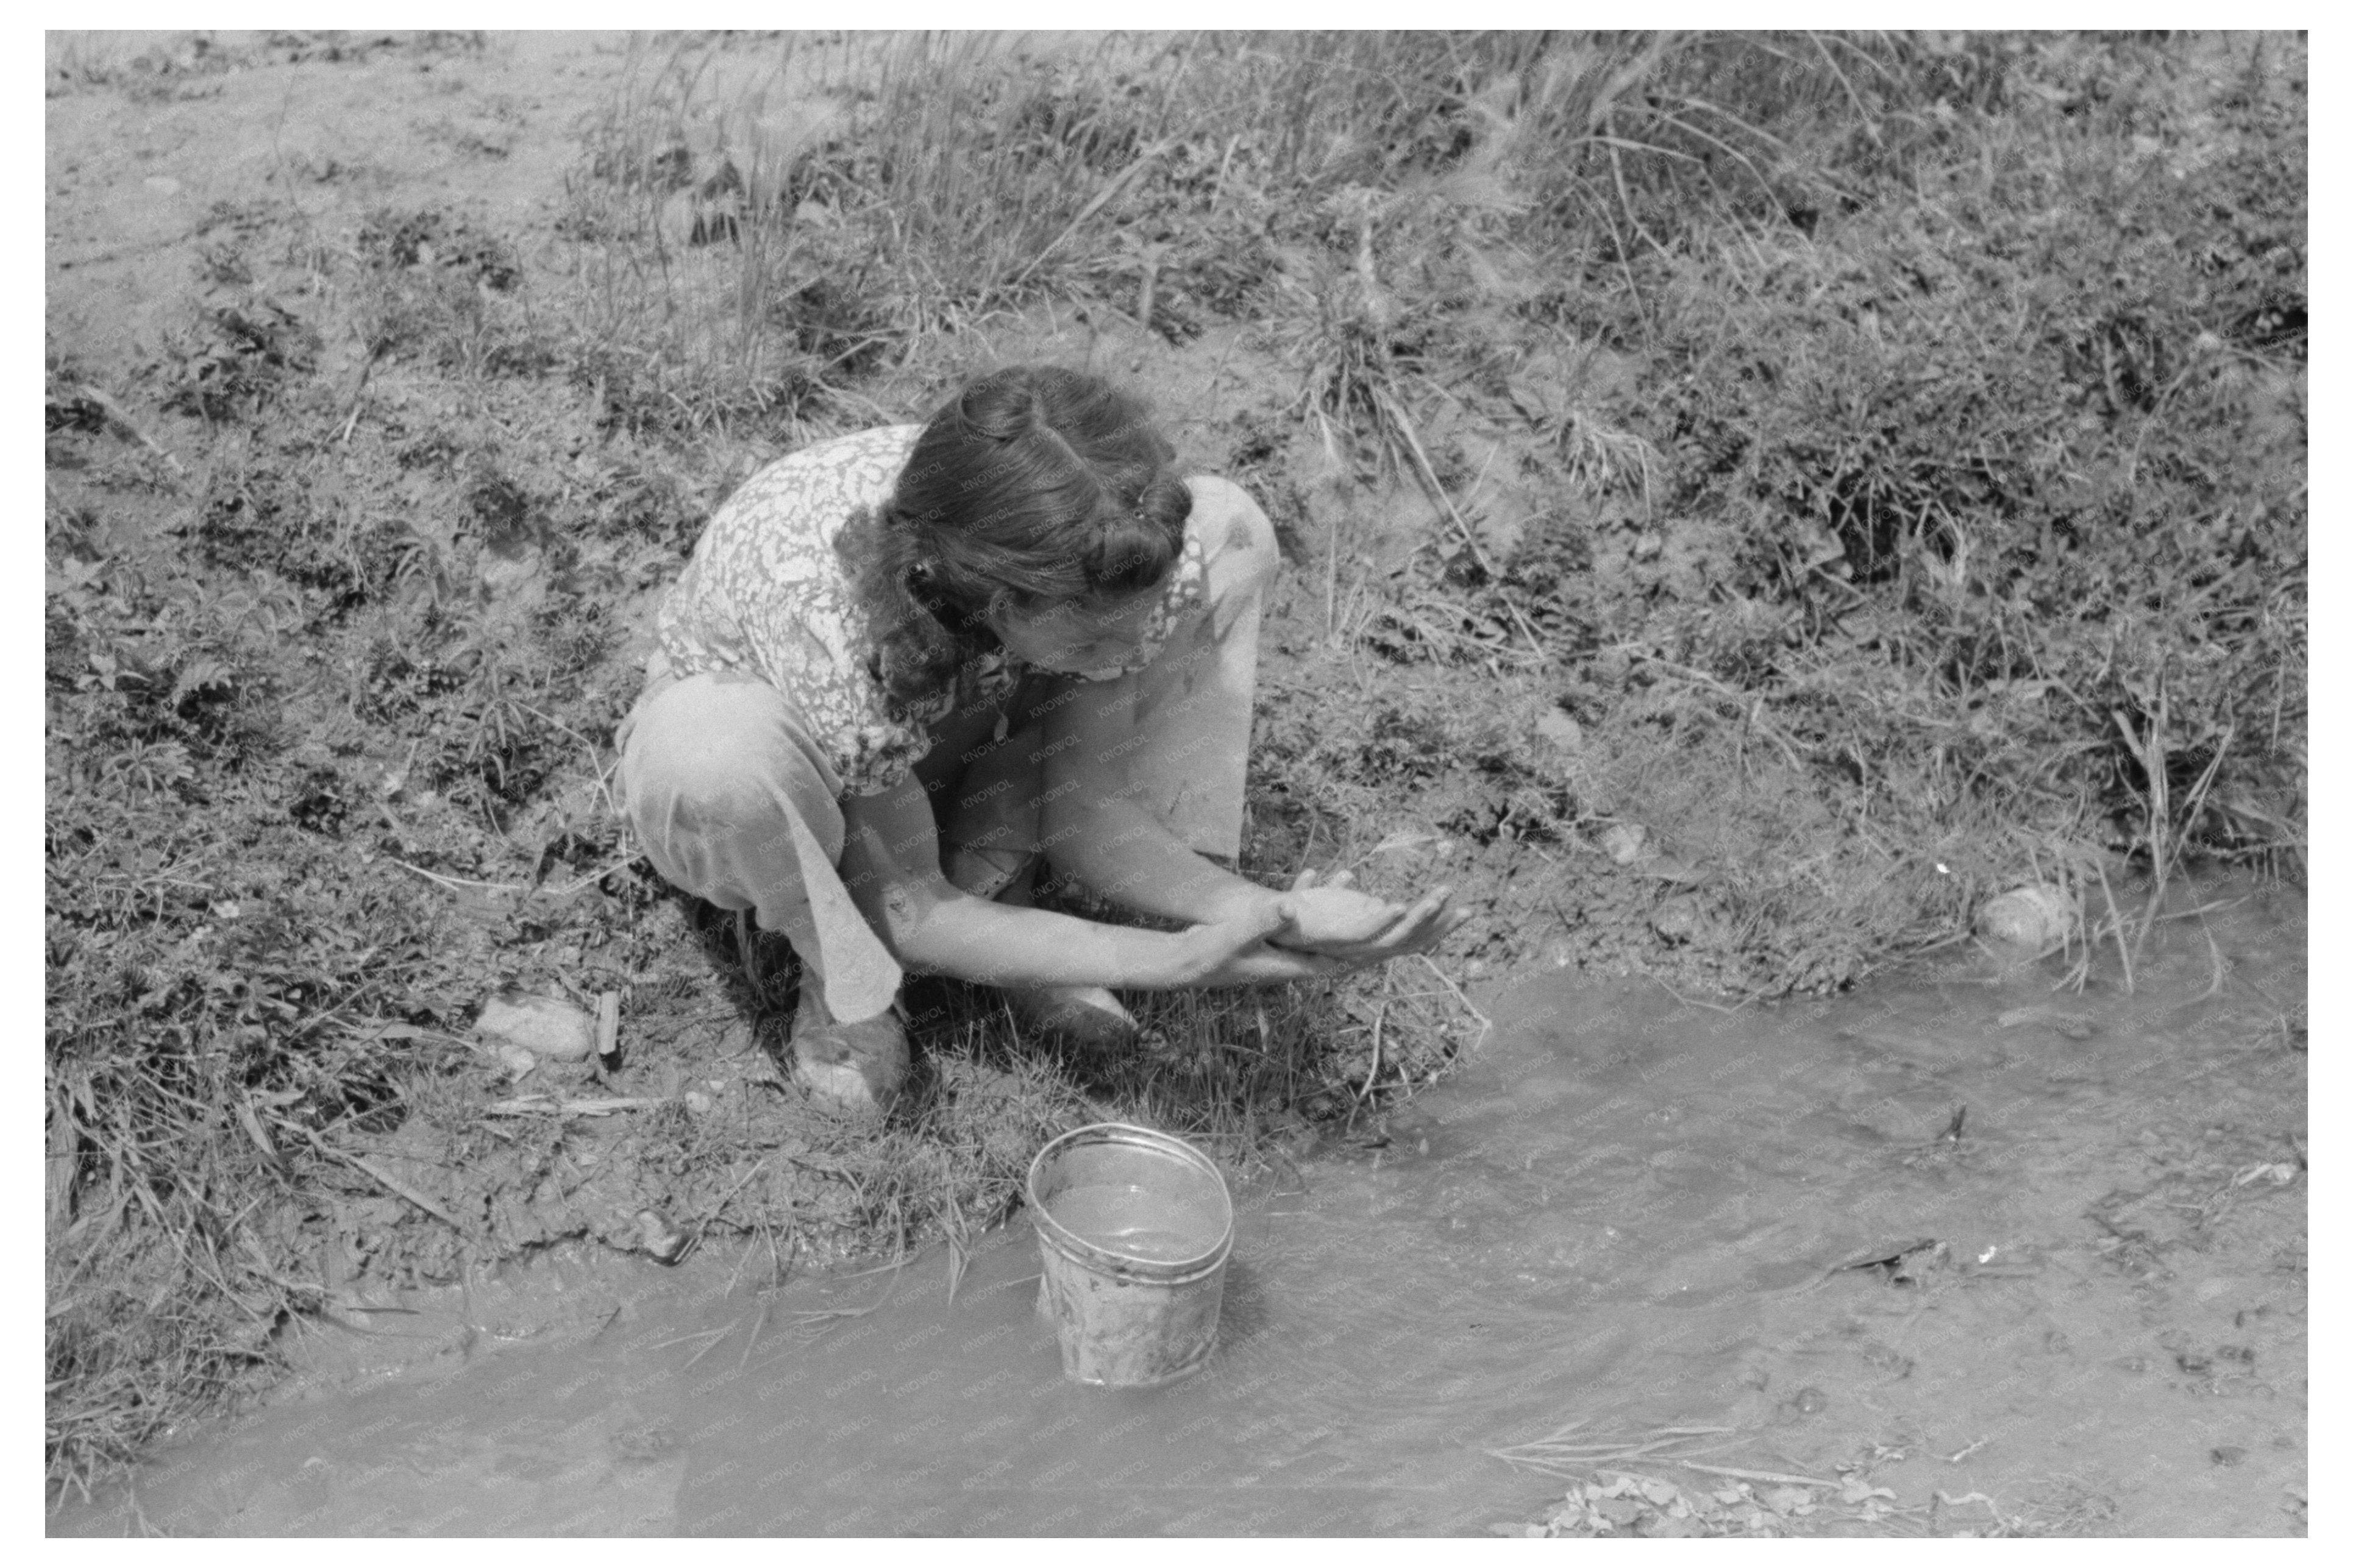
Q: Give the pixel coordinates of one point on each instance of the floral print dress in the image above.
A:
(765, 595)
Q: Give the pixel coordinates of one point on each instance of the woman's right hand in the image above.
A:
(1338, 921)
(1252, 946)
(1234, 951)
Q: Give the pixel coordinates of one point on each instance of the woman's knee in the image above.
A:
(1236, 535)
(720, 752)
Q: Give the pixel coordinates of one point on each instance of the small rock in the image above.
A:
(2035, 917)
(1677, 920)
(645, 1443)
(516, 1060)
(664, 1240)
(1562, 730)
(509, 577)
(1810, 1402)
(1647, 546)
(698, 1104)
(544, 1025)
(1623, 841)
(2228, 1455)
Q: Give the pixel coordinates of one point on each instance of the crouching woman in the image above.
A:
(908, 668)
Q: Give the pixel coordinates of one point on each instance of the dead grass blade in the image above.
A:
(390, 1183)
(1777, 1477)
(1555, 1454)
(555, 1105)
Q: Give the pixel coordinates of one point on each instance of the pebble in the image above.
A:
(507, 577)
(1678, 919)
(1562, 730)
(1811, 1402)
(664, 1240)
(2037, 917)
(1624, 841)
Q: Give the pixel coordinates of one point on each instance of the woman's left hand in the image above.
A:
(1333, 918)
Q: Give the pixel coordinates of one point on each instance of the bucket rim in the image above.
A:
(1071, 1242)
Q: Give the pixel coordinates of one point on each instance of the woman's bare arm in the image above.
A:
(890, 864)
(1097, 827)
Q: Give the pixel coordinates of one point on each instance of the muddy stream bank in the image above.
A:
(2007, 1258)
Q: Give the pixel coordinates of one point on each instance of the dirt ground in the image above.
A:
(354, 539)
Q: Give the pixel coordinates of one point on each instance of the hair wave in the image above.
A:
(1034, 485)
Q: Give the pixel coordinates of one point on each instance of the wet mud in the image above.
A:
(1993, 1255)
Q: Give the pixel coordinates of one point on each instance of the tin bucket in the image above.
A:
(1134, 1227)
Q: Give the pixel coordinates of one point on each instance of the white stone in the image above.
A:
(2036, 917)
(1561, 730)
(544, 1025)
(1677, 920)
(1624, 841)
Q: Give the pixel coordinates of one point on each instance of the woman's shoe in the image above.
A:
(856, 1067)
(1086, 1015)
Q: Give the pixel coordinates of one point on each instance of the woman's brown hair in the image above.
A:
(1033, 485)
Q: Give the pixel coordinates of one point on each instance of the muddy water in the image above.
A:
(1628, 1212)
